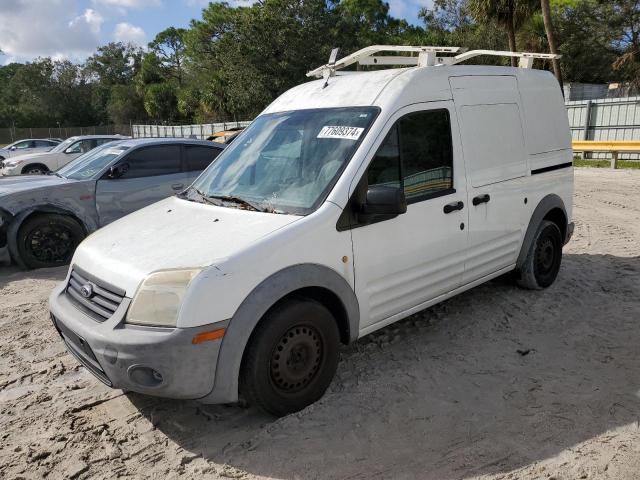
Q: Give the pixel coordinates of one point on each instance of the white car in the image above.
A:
(28, 145)
(351, 202)
(50, 161)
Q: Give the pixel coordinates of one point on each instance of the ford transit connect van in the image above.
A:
(350, 203)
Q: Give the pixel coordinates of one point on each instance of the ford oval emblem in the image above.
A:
(86, 290)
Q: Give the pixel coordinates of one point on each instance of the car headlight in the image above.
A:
(12, 163)
(159, 298)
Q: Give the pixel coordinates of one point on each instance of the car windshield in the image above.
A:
(285, 162)
(92, 162)
(61, 147)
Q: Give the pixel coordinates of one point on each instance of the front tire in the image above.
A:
(291, 357)
(48, 240)
(542, 264)
(34, 170)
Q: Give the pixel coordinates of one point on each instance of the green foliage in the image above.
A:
(233, 61)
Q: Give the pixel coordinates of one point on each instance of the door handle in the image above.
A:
(178, 186)
(481, 199)
(452, 207)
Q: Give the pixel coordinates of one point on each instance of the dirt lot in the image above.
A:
(496, 383)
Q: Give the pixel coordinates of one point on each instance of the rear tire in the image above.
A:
(48, 240)
(542, 264)
(291, 357)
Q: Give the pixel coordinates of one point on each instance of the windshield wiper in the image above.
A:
(55, 173)
(233, 199)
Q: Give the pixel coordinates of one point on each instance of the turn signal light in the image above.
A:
(208, 336)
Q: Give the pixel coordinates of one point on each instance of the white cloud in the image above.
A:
(125, 4)
(125, 32)
(92, 18)
(32, 28)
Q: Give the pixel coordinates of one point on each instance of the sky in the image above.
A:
(72, 29)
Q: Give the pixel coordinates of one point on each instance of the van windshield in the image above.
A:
(285, 162)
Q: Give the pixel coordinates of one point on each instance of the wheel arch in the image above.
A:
(35, 164)
(550, 208)
(18, 219)
(309, 280)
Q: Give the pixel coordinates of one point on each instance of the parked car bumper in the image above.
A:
(155, 361)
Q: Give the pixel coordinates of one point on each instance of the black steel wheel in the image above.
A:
(48, 240)
(291, 357)
(543, 260)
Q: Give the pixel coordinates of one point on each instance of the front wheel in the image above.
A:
(48, 240)
(35, 170)
(291, 357)
(542, 264)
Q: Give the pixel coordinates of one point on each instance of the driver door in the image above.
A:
(148, 174)
(403, 263)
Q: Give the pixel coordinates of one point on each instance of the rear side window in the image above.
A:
(44, 143)
(417, 152)
(152, 161)
(102, 141)
(199, 157)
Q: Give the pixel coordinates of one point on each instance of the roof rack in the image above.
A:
(428, 56)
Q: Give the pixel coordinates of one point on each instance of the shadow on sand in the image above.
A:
(487, 382)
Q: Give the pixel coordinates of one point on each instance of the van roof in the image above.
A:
(393, 87)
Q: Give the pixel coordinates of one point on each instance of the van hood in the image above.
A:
(171, 234)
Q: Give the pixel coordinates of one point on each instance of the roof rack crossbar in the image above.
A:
(425, 53)
(427, 57)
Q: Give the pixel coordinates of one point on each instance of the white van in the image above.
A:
(350, 203)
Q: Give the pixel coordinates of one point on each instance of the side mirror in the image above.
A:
(13, 149)
(116, 171)
(383, 203)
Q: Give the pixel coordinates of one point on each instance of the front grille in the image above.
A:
(98, 299)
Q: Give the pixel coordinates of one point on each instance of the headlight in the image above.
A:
(12, 163)
(158, 299)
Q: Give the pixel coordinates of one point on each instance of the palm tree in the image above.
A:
(510, 14)
(548, 26)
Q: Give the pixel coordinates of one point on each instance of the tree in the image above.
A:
(169, 48)
(548, 26)
(115, 63)
(510, 14)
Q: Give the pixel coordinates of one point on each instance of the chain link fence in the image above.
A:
(10, 135)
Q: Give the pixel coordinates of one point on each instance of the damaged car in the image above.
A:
(43, 218)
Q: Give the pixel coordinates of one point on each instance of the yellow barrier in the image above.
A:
(615, 147)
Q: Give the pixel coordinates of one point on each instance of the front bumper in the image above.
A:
(150, 360)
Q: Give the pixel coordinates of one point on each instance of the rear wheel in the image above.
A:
(542, 264)
(291, 357)
(35, 170)
(48, 240)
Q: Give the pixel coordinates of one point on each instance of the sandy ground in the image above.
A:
(497, 383)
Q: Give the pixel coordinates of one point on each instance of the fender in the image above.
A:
(18, 220)
(257, 303)
(547, 204)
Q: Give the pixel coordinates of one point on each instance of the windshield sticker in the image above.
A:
(344, 133)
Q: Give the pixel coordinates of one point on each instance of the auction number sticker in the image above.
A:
(344, 133)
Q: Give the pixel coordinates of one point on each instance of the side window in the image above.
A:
(384, 169)
(102, 141)
(81, 146)
(199, 157)
(152, 161)
(44, 143)
(23, 145)
(418, 150)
